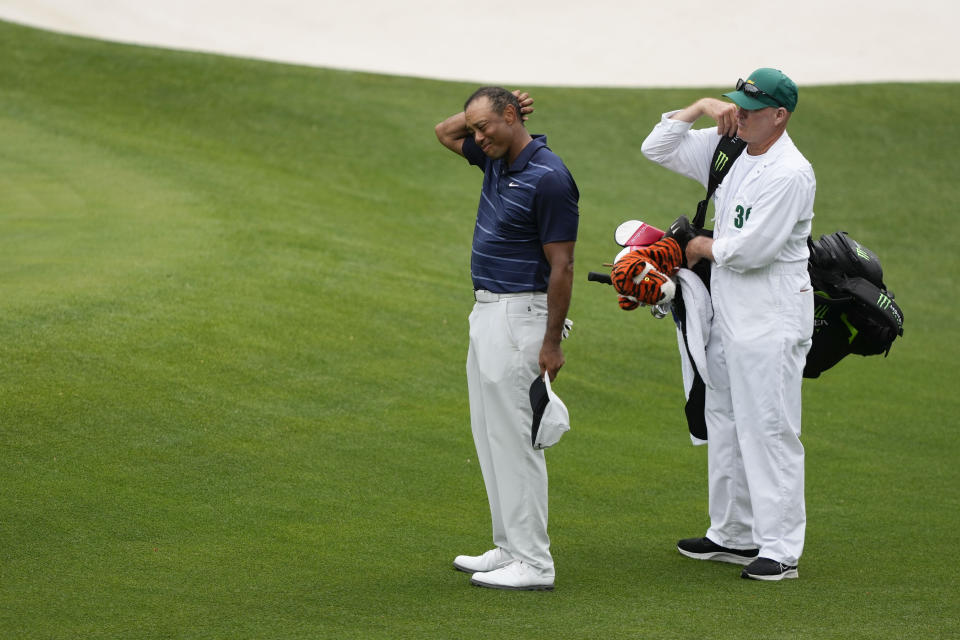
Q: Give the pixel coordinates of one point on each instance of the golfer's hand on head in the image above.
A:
(723, 113)
(526, 103)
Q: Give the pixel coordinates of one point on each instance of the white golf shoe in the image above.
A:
(493, 559)
(516, 575)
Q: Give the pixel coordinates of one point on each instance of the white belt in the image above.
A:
(482, 295)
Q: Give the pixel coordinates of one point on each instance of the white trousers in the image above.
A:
(502, 361)
(758, 344)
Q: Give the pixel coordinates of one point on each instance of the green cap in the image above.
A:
(777, 91)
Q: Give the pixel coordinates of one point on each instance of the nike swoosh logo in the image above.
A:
(513, 184)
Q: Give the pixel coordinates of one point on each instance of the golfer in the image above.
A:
(763, 321)
(522, 271)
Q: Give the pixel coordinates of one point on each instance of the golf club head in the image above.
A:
(636, 233)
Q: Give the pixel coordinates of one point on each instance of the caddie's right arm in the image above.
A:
(675, 144)
(723, 113)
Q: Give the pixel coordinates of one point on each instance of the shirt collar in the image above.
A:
(775, 150)
(539, 141)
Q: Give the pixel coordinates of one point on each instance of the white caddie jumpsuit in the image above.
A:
(762, 329)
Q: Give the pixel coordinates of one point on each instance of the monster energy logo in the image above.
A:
(821, 311)
(863, 254)
(883, 301)
(721, 162)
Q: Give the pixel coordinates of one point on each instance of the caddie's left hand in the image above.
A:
(551, 359)
(698, 248)
(681, 230)
(526, 104)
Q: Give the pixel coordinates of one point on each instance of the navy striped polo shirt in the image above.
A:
(522, 207)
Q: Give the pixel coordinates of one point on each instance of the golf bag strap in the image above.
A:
(878, 303)
(728, 150)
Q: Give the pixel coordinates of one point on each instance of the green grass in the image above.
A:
(233, 301)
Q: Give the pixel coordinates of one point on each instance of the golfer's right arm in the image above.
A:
(452, 132)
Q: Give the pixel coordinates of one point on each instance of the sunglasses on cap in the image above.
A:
(752, 90)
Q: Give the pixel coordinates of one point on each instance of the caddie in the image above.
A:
(762, 320)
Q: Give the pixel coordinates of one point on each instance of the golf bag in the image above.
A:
(853, 310)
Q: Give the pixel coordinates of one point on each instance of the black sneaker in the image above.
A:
(707, 549)
(767, 569)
